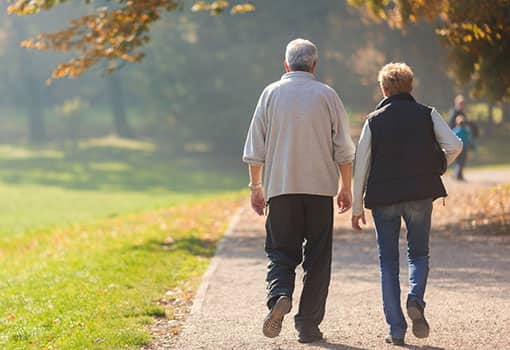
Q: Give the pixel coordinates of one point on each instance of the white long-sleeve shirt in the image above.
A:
(450, 143)
(300, 133)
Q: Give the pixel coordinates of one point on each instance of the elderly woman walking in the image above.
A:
(399, 165)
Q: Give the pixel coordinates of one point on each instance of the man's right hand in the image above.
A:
(258, 201)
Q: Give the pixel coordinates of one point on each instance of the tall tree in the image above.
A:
(113, 33)
(476, 32)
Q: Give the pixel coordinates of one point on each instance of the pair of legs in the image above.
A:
(460, 163)
(387, 219)
(299, 228)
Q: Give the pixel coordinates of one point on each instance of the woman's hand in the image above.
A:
(356, 219)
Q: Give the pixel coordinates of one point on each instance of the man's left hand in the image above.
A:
(344, 200)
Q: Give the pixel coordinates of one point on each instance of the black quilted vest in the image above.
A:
(404, 163)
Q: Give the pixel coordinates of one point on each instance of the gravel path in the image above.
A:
(468, 294)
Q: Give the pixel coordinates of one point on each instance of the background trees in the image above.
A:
(200, 75)
(476, 33)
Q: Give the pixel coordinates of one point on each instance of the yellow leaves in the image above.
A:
(22, 8)
(492, 212)
(467, 38)
(10, 317)
(111, 33)
(200, 6)
(217, 7)
(242, 8)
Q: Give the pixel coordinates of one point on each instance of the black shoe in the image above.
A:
(273, 321)
(310, 336)
(395, 341)
(421, 328)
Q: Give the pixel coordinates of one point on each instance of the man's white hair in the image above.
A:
(300, 55)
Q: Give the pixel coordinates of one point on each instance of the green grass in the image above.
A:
(491, 151)
(95, 286)
(40, 188)
(30, 208)
(92, 236)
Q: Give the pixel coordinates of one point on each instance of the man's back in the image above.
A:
(305, 135)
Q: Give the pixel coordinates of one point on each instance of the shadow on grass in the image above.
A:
(114, 168)
(193, 245)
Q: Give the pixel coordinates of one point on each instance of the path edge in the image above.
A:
(199, 298)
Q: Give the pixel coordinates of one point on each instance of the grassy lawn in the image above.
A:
(92, 238)
(104, 178)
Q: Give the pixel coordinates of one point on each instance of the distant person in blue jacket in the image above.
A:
(459, 109)
(463, 132)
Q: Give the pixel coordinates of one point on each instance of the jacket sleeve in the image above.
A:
(343, 147)
(450, 143)
(255, 145)
(361, 169)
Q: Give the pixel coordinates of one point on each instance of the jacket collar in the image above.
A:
(298, 75)
(398, 97)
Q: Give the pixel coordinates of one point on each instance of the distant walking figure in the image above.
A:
(398, 164)
(463, 132)
(300, 136)
(459, 105)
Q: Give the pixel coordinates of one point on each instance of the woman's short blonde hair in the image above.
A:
(396, 78)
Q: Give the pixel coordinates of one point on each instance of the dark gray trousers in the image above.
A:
(299, 228)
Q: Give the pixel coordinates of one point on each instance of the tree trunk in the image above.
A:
(31, 89)
(490, 117)
(505, 108)
(36, 127)
(116, 93)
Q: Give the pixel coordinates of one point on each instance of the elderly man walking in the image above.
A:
(399, 163)
(299, 136)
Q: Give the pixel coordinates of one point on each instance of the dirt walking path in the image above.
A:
(468, 295)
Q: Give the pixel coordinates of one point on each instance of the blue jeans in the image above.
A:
(417, 217)
(460, 163)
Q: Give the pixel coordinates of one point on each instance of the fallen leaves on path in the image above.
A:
(479, 211)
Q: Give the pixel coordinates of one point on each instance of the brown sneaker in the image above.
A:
(421, 328)
(273, 321)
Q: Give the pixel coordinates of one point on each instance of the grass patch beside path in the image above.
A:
(53, 186)
(96, 286)
(30, 208)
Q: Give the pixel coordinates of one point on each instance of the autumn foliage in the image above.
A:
(113, 33)
(477, 33)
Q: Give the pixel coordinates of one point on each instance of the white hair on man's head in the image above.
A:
(301, 55)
